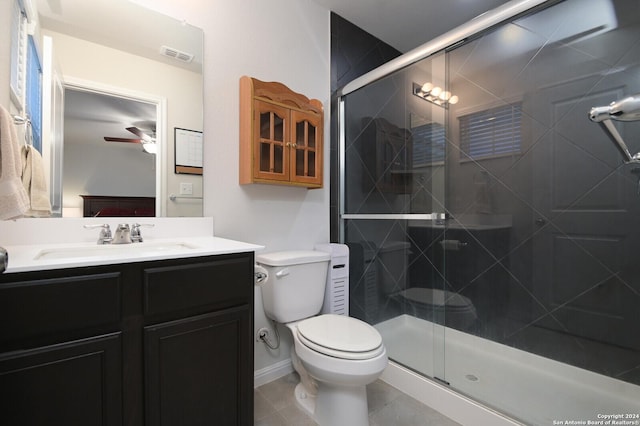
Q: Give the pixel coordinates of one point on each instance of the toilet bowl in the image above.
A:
(336, 356)
(435, 304)
(342, 355)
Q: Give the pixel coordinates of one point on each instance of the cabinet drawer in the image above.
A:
(35, 309)
(210, 284)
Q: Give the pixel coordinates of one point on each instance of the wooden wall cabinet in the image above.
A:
(387, 155)
(281, 135)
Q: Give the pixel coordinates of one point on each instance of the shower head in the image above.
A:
(627, 109)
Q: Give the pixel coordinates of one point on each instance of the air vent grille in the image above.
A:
(176, 54)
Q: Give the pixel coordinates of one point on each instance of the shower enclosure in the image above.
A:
(494, 229)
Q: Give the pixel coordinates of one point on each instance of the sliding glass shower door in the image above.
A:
(393, 185)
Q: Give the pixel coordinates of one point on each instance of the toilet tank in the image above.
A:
(294, 288)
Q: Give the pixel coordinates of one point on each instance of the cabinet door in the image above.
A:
(199, 370)
(271, 149)
(74, 383)
(306, 148)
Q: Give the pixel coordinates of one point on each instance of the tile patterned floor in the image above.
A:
(274, 405)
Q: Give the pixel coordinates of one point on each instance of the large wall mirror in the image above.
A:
(119, 79)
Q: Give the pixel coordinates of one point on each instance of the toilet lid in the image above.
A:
(340, 336)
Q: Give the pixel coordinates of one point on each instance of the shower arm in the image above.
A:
(627, 109)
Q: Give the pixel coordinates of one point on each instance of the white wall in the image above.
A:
(279, 40)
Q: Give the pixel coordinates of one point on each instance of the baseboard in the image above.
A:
(453, 405)
(272, 372)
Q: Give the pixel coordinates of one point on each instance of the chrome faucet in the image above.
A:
(105, 236)
(122, 234)
(136, 236)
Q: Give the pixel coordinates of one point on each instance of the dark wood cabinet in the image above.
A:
(184, 373)
(71, 383)
(149, 343)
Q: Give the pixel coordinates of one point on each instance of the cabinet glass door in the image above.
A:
(306, 148)
(272, 127)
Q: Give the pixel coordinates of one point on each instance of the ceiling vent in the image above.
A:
(176, 54)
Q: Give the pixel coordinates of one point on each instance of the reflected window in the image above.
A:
(26, 73)
(18, 50)
(491, 133)
(428, 145)
(33, 104)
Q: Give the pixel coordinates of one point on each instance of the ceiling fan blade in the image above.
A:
(136, 131)
(110, 139)
(139, 133)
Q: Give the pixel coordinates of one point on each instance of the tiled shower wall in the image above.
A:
(560, 279)
(354, 52)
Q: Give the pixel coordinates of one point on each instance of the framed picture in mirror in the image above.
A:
(188, 151)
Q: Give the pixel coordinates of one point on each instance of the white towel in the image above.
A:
(14, 201)
(35, 183)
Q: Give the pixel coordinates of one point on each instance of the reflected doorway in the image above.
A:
(105, 136)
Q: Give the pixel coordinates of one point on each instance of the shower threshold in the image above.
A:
(524, 386)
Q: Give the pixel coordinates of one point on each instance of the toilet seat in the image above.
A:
(340, 336)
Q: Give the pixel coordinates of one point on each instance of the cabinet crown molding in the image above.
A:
(279, 93)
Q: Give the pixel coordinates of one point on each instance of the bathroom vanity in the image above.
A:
(149, 342)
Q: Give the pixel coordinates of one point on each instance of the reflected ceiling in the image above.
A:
(125, 26)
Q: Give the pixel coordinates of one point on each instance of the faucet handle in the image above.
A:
(136, 236)
(105, 236)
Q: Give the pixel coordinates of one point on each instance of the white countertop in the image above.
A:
(35, 257)
(55, 243)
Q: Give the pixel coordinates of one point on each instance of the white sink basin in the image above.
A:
(113, 250)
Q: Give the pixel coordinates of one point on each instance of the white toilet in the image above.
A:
(336, 356)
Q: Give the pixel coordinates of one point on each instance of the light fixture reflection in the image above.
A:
(434, 94)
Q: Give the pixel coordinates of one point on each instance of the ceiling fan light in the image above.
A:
(150, 147)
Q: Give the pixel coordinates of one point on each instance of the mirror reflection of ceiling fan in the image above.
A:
(148, 141)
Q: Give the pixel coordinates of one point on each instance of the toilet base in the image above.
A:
(341, 405)
(305, 401)
(335, 406)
